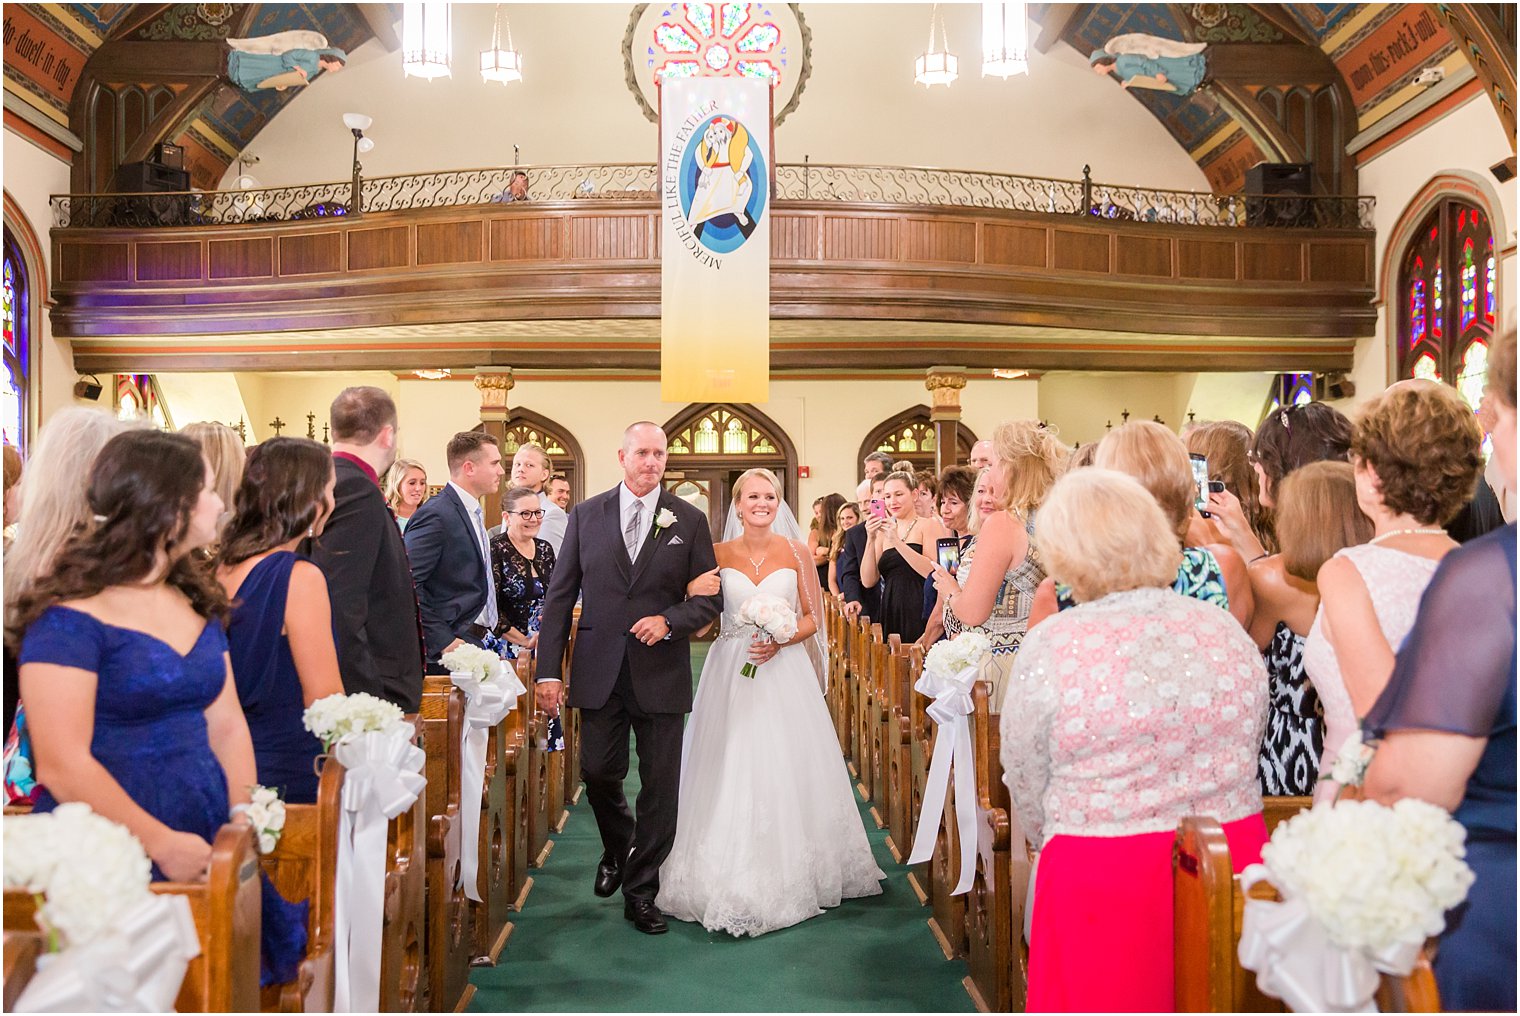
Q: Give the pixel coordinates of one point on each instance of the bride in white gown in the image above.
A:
(768, 832)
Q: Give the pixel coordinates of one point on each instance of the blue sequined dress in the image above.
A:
(150, 734)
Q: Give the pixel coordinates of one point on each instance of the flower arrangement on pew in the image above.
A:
(266, 813)
(338, 718)
(772, 618)
(116, 946)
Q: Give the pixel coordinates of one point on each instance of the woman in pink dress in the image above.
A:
(1131, 711)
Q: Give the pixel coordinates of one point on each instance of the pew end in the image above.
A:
(22, 950)
(404, 928)
(304, 866)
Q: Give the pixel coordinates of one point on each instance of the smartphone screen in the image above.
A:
(1200, 481)
(948, 551)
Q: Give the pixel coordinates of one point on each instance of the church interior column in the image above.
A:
(493, 384)
(944, 385)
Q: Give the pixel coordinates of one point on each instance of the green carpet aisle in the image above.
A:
(573, 952)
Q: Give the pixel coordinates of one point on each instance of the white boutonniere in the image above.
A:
(664, 520)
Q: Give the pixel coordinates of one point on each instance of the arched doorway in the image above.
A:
(910, 436)
(527, 427)
(711, 444)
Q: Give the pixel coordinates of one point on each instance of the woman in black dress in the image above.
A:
(897, 526)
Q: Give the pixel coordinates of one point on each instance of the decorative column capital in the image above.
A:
(944, 385)
(494, 383)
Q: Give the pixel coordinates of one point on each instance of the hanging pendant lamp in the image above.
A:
(426, 47)
(1005, 39)
(496, 63)
(936, 66)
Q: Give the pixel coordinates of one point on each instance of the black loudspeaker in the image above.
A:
(1504, 171)
(166, 154)
(149, 178)
(1270, 190)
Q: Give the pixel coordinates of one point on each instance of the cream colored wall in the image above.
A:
(859, 106)
(1467, 140)
(31, 176)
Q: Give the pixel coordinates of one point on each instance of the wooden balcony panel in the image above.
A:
(385, 247)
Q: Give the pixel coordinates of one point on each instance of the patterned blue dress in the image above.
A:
(150, 734)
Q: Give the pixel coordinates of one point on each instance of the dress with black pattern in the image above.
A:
(1294, 740)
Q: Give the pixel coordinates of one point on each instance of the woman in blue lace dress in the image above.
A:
(124, 670)
(280, 637)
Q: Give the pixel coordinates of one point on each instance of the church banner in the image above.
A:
(715, 239)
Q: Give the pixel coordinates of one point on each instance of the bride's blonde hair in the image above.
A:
(749, 474)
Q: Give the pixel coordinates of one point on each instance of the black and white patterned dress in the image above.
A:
(1288, 764)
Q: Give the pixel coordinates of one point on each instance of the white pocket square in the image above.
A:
(676, 541)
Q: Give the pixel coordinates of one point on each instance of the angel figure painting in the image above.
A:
(282, 60)
(1149, 61)
(723, 186)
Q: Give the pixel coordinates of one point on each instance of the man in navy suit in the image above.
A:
(450, 552)
(859, 598)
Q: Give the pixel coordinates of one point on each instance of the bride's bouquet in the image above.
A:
(772, 618)
(341, 717)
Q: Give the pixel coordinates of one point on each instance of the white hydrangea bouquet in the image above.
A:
(950, 657)
(772, 618)
(266, 813)
(340, 717)
(1363, 885)
(86, 870)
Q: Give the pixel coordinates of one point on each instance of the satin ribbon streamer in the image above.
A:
(952, 751)
(383, 779)
(137, 966)
(1295, 961)
(489, 702)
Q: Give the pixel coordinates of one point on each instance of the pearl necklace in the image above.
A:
(1407, 532)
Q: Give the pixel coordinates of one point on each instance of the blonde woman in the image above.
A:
(406, 488)
(846, 519)
(994, 587)
(228, 457)
(898, 552)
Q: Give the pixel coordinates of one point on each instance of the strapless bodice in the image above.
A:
(739, 587)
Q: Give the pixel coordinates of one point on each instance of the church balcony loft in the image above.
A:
(911, 266)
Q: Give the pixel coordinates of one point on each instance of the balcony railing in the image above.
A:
(897, 185)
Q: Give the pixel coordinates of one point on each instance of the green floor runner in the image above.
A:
(573, 952)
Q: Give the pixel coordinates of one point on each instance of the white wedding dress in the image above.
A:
(768, 832)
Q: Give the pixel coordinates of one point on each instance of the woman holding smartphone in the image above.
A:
(894, 555)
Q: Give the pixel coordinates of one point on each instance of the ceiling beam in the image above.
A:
(137, 17)
(1053, 25)
(381, 23)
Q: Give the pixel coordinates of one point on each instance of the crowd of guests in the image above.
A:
(1161, 649)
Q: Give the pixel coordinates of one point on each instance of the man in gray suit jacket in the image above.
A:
(629, 555)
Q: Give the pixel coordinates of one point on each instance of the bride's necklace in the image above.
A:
(1407, 532)
(756, 564)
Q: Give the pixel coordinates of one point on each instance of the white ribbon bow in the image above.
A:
(137, 966)
(383, 779)
(488, 703)
(952, 751)
(1295, 961)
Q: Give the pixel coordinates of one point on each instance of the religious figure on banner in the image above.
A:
(282, 60)
(723, 183)
(1149, 61)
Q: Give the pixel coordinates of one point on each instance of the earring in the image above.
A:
(311, 531)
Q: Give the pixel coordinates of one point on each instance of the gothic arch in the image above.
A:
(22, 244)
(903, 437)
(711, 443)
(524, 426)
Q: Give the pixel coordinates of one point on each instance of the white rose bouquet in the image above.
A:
(89, 871)
(772, 618)
(338, 717)
(949, 657)
(483, 664)
(266, 813)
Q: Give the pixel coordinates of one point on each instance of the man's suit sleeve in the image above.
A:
(559, 603)
(425, 540)
(346, 553)
(849, 570)
(693, 615)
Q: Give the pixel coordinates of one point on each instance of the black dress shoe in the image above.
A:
(609, 876)
(645, 916)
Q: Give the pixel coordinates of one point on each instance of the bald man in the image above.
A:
(981, 456)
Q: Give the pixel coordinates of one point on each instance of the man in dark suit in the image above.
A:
(858, 597)
(361, 553)
(629, 555)
(450, 551)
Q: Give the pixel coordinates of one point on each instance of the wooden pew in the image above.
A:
(517, 730)
(839, 670)
(1208, 908)
(404, 926)
(450, 942)
(860, 674)
(898, 750)
(948, 920)
(22, 949)
(571, 719)
(1279, 809)
(304, 866)
(920, 739)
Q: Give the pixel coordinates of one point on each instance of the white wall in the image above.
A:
(31, 177)
(1469, 139)
(859, 106)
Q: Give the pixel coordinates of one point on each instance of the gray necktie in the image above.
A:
(488, 616)
(631, 533)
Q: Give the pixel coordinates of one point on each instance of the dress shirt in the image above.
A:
(472, 506)
(626, 498)
(556, 521)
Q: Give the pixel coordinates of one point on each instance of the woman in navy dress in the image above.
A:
(281, 635)
(125, 674)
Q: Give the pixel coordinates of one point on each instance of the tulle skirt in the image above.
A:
(768, 832)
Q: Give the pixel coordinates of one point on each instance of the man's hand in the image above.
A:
(852, 609)
(650, 630)
(549, 694)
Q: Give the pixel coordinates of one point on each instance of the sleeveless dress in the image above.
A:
(268, 685)
(1006, 625)
(768, 833)
(902, 595)
(150, 734)
(1395, 580)
(1290, 750)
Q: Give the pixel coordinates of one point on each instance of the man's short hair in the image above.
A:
(533, 447)
(466, 444)
(559, 478)
(518, 173)
(883, 458)
(359, 414)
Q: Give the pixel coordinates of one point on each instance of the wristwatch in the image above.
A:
(669, 630)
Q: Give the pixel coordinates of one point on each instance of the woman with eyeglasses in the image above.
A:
(522, 564)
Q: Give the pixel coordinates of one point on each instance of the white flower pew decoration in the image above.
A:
(950, 672)
(491, 688)
(382, 779)
(114, 945)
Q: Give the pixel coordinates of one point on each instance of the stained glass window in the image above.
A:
(1488, 284)
(1417, 311)
(701, 40)
(13, 398)
(1425, 367)
(1469, 284)
(1474, 373)
(1447, 339)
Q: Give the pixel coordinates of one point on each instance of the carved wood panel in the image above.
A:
(529, 238)
(612, 237)
(450, 243)
(310, 253)
(378, 248)
(169, 262)
(861, 238)
(794, 237)
(242, 259)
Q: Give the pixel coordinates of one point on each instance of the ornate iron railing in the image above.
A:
(897, 185)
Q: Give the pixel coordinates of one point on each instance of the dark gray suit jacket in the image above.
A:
(593, 565)
(447, 568)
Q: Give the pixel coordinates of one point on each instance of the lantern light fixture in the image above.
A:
(426, 46)
(496, 63)
(1005, 39)
(936, 66)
